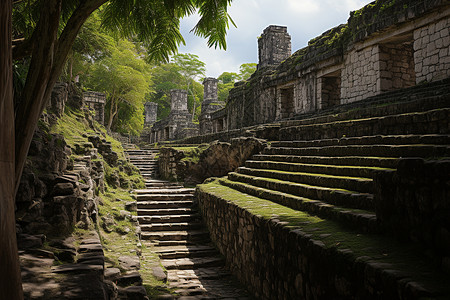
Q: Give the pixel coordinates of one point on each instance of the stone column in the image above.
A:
(151, 112)
(179, 100)
(274, 46)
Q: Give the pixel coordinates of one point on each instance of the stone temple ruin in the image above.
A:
(150, 113)
(210, 104)
(95, 101)
(178, 124)
(399, 46)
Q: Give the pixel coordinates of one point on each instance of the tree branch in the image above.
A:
(22, 48)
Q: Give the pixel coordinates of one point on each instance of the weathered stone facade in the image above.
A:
(385, 46)
(178, 124)
(96, 101)
(274, 46)
(210, 104)
(150, 113)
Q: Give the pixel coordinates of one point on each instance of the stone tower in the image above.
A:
(151, 112)
(179, 100)
(210, 104)
(274, 46)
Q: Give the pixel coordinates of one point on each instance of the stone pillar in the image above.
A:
(179, 100)
(210, 104)
(151, 112)
(274, 46)
(209, 90)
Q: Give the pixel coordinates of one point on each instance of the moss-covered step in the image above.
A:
(311, 255)
(164, 191)
(172, 252)
(430, 139)
(164, 204)
(163, 197)
(429, 122)
(363, 161)
(363, 220)
(335, 196)
(365, 150)
(165, 211)
(358, 184)
(168, 218)
(192, 263)
(389, 105)
(184, 235)
(171, 226)
(352, 171)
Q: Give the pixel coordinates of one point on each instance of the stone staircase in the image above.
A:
(325, 165)
(171, 224)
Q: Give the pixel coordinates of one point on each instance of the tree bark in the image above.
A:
(10, 280)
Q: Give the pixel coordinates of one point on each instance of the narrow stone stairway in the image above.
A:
(171, 224)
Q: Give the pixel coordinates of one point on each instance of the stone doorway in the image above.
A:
(330, 93)
(167, 133)
(287, 102)
(397, 70)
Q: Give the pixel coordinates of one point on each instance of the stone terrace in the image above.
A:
(350, 203)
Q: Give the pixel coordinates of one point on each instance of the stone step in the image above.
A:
(358, 184)
(428, 122)
(352, 171)
(165, 191)
(431, 139)
(183, 235)
(162, 197)
(164, 204)
(355, 161)
(394, 104)
(339, 197)
(192, 263)
(146, 167)
(217, 272)
(173, 218)
(171, 226)
(152, 186)
(166, 212)
(398, 269)
(425, 151)
(363, 220)
(162, 184)
(185, 251)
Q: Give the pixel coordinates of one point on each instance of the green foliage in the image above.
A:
(124, 78)
(246, 70)
(182, 73)
(227, 79)
(157, 24)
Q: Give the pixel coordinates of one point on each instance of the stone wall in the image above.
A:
(218, 159)
(361, 74)
(432, 51)
(387, 45)
(396, 67)
(277, 262)
(412, 203)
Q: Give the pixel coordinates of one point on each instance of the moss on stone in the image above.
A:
(404, 257)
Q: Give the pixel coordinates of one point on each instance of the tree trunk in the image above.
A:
(48, 58)
(10, 280)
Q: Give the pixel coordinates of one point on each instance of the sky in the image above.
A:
(305, 19)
